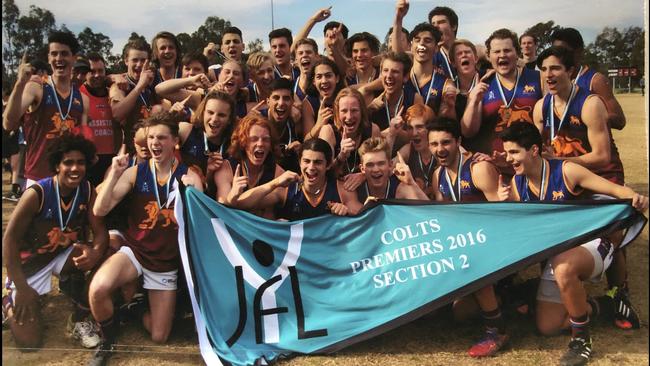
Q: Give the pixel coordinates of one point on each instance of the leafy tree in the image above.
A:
(257, 45)
(33, 30)
(543, 33)
(210, 31)
(91, 42)
(10, 15)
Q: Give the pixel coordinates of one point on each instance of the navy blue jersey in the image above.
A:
(585, 78)
(193, 149)
(569, 137)
(382, 116)
(553, 189)
(352, 164)
(431, 91)
(442, 63)
(391, 190)
(468, 191)
(277, 74)
(45, 239)
(297, 206)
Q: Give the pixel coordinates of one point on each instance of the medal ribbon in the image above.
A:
(414, 80)
(399, 101)
(385, 195)
(575, 82)
(551, 111)
(451, 187)
(155, 181)
(447, 64)
(542, 187)
(206, 150)
(426, 173)
(56, 98)
(63, 225)
(514, 91)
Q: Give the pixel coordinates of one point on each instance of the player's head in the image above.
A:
(444, 139)
(260, 67)
(325, 79)
(162, 135)
(568, 37)
(62, 52)
(403, 38)
(376, 163)
(253, 140)
(232, 77)
(232, 43)
(330, 26)
(522, 143)
(69, 157)
(280, 100)
(350, 114)
(280, 41)
(306, 53)
(446, 20)
(503, 51)
(135, 53)
(315, 159)
(395, 69)
(418, 116)
(140, 141)
(361, 48)
(556, 65)
(215, 114)
(528, 44)
(424, 40)
(194, 63)
(166, 50)
(463, 56)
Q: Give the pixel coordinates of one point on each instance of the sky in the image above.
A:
(477, 19)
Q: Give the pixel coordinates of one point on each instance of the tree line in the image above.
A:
(28, 33)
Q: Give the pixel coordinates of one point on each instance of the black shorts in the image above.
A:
(9, 143)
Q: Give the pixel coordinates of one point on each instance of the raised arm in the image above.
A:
(118, 183)
(23, 95)
(319, 16)
(401, 9)
(121, 104)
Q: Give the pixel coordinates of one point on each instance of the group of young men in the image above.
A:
(293, 134)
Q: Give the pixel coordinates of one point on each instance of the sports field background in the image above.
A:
(431, 340)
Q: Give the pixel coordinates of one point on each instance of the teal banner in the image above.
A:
(262, 288)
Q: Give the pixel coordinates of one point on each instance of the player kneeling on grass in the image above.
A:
(561, 298)
(463, 177)
(150, 247)
(47, 235)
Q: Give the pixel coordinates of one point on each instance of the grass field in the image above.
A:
(431, 340)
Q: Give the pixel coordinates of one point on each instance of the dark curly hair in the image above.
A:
(66, 143)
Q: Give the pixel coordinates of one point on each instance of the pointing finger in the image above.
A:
(400, 158)
(238, 171)
(24, 58)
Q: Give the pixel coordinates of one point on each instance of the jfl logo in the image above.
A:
(265, 309)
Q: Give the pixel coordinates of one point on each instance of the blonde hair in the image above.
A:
(354, 93)
(461, 42)
(374, 144)
(255, 60)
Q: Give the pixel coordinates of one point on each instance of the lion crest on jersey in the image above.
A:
(56, 238)
(154, 214)
(574, 120)
(509, 115)
(558, 195)
(566, 146)
(60, 126)
(529, 89)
